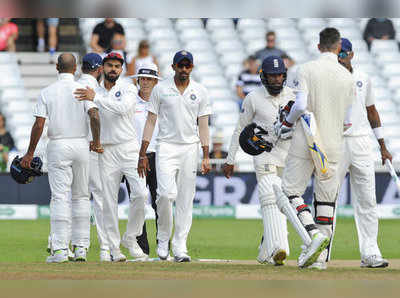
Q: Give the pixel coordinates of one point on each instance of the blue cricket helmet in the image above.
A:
(272, 65)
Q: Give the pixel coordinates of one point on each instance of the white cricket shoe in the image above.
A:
(135, 250)
(58, 256)
(71, 255)
(182, 258)
(162, 250)
(312, 252)
(80, 254)
(105, 255)
(373, 261)
(318, 265)
(117, 256)
(262, 257)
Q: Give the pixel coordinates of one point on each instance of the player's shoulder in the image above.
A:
(288, 92)
(256, 93)
(360, 75)
(198, 86)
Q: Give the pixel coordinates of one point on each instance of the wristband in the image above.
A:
(288, 124)
(378, 131)
(142, 157)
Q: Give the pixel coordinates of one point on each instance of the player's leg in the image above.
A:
(60, 180)
(362, 185)
(95, 188)
(275, 246)
(110, 173)
(138, 196)
(167, 164)
(80, 203)
(186, 186)
(295, 178)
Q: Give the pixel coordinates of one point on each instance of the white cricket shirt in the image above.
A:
(262, 108)
(331, 90)
(67, 116)
(177, 113)
(117, 109)
(140, 121)
(360, 125)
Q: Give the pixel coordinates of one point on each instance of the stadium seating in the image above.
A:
(219, 48)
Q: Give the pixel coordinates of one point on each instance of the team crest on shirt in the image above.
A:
(359, 84)
(118, 94)
(193, 97)
(295, 83)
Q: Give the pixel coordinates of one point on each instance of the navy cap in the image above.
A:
(179, 56)
(273, 65)
(93, 60)
(346, 45)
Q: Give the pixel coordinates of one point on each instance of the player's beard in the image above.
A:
(110, 79)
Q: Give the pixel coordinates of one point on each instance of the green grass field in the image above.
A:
(23, 253)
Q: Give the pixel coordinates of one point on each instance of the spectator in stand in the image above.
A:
(6, 144)
(217, 152)
(103, 34)
(143, 57)
(52, 24)
(270, 49)
(378, 28)
(249, 79)
(8, 35)
(118, 45)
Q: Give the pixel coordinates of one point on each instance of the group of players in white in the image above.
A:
(178, 108)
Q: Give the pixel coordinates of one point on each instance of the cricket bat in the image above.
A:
(393, 173)
(317, 152)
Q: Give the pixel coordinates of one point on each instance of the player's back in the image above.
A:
(330, 92)
(67, 116)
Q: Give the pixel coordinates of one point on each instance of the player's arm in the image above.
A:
(143, 163)
(204, 133)
(246, 116)
(122, 107)
(95, 128)
(94, 43)
(36, 133)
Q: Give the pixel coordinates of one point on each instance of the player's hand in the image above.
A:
(96, 147)
(26, 161)
(385, 154)
(283, 130)
(228, 170)
(143, 166)
(84, 94)
(205, 166)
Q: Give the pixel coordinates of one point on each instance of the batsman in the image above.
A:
(325, 90)
(258, 114)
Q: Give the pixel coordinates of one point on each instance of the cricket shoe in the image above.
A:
(310, 254)
(58, 256)
(374, 261)
(182, 258)
(162, 250)
(136, 252)
(80, 254)
(262, 257)
(117, 256)
(71, 255)
(105, 255)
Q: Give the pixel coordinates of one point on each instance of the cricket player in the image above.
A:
(326, 89)
(147, 77)
(116, 101)
(92, 68)
(261, 106)
(182, 108)
(68, 159)
(358, 159)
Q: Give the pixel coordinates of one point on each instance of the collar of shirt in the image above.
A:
(141, 100)
(116, 85)
(89, 78)
(66, 76)
(329, 56)
(174, 87)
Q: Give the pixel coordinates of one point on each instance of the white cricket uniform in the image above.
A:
(95, 187)
(120, 157)
(330, 91)
(358, 159)
(68, 161)
(262, 108)
(177, 154)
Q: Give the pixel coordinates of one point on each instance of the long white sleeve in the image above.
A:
(298, 108)
(245, 118)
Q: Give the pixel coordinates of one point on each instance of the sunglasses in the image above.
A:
(186, 65)
(343, 54)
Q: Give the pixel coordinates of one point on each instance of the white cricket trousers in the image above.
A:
(68, 172)
(96, 189)
(358, 160)
(274, 222)
(118, 160)
(176, 167)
